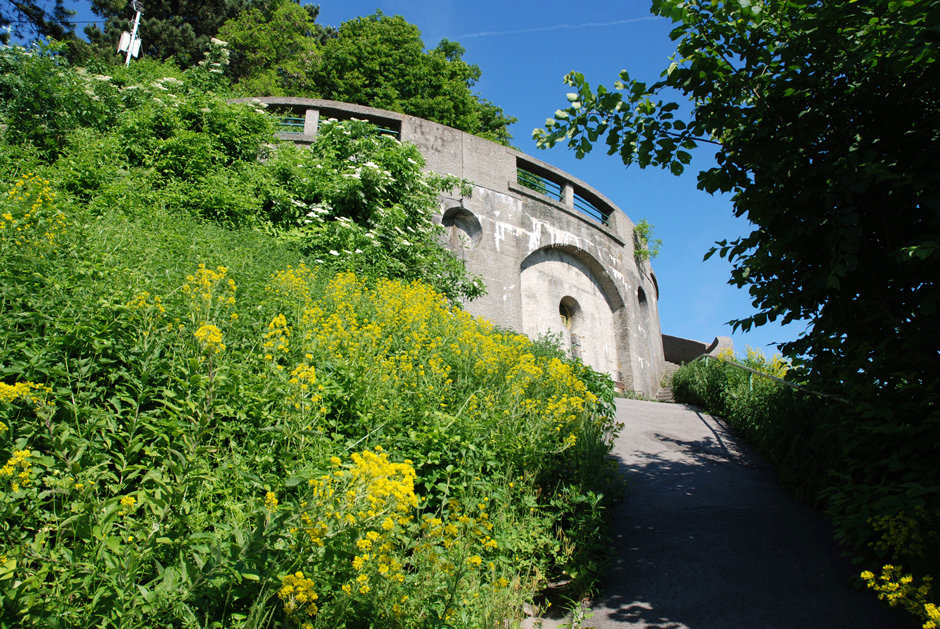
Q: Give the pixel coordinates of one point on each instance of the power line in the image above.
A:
(27, 23)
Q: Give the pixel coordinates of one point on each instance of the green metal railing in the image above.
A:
(290, 124)
(586, 207)
(556, 191)
(540, 184)
(754, 372)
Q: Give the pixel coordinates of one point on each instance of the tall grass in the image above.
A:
(199, 429)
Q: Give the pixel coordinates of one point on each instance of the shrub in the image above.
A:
(878, 481)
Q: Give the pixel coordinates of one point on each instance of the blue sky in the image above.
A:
(524, 49)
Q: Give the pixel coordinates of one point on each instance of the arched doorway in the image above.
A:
(567, 294)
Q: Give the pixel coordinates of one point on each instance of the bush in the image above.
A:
(878, 481)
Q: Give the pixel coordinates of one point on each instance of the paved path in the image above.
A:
(707, 539)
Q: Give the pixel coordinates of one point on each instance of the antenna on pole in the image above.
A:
(130, 42)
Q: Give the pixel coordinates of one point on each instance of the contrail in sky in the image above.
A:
(558, 27)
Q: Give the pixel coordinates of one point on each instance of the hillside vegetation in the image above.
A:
(236, 391)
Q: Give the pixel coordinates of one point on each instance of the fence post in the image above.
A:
(311, 121)
(567, 194)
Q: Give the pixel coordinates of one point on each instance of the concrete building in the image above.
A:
(557, 256)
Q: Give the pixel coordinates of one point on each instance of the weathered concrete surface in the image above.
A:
(536, 252)
(707, 539)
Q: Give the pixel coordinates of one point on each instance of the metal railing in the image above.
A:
(290, 124)
(540, 184)
(754, 372)
(586, 207)
(558, 192)
(395, 133)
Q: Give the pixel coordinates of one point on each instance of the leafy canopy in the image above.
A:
(380, 61)
(275, 49)
(356, 200)
(35, 18)
(180, 30)
(826, 121)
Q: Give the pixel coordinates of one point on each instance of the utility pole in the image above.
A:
(130, 42)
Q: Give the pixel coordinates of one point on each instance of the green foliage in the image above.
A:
(644, 245)
(357, 200)
(198, 429)
(840, 188)
(29, 18)
(361, 201)
(210, 442)
(275, 51)
(42, 99)
(874, 479)
(380, 61)
(168, 30)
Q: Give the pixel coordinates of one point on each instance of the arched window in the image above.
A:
(463, 228)
(565, 313)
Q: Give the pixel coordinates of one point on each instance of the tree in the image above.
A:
(27, 19)
(180, 29)
(275, 49)
(380, 61)
(825, 116)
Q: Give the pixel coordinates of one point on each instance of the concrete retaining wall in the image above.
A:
(558, 262)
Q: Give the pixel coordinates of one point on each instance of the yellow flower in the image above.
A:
(270, 500)
(298, 594)
(211, 338)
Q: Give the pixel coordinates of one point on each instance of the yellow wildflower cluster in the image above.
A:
(20, 459)
(292, 283)
(776, 366)
(411, 349)
(144, 301)
(209, 291)
(28, 218)
(933, 616)
(371, 493)
(33, 393)
(210, 337)
(298, 594)
(10, 392)
(371, 496)
(270, 501)
(461, 545)
(898, 590)
(127, 505)
(901, 534)
(727, 354)
(277, 338)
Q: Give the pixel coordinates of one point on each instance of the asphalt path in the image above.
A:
(706, 538)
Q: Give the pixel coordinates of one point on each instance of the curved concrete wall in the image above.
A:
(556, 259)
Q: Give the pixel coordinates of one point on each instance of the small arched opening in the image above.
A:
(462, 227)
(570, 313)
